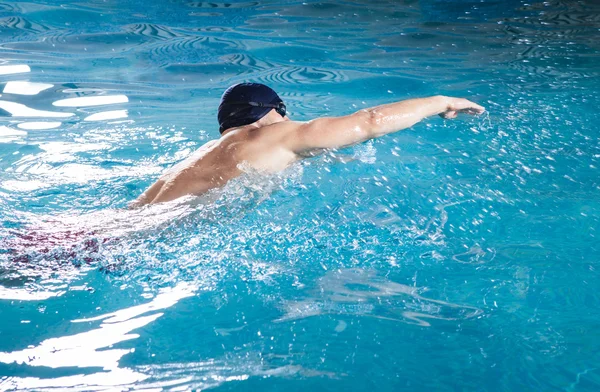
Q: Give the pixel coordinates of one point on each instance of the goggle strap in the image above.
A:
(258, 104)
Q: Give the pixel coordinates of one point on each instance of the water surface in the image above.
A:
(458, 255)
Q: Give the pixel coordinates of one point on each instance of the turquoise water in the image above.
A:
(456, 256)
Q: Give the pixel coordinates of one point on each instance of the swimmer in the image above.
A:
(256, 130)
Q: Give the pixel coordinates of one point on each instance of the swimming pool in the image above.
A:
(458, 255)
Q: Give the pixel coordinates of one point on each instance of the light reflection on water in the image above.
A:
(14, 69)
(25, 88)
(38, 125)
(20, 110)
(108, 115)
(91, 101)
(93, 348)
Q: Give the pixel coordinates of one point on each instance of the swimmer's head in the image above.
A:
(246, 103)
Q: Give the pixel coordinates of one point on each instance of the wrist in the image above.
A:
(443, 102)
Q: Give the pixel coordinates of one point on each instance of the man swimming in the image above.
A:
(256, 130)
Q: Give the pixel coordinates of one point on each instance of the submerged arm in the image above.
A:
(336, 132)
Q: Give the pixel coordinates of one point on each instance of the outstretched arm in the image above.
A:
(336, 132)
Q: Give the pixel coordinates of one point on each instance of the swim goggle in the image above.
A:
(279, 107)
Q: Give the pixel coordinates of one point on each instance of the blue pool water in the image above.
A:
(455, 256)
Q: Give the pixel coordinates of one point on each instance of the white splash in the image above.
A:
(23, 186)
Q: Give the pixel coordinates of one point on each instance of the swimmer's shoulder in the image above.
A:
(278, 132)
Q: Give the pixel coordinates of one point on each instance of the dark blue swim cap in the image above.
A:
(235, 110)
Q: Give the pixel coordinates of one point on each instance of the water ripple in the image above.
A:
(19, 23)
(211, 5)
(151, 30)
(360, 292)
(474, 239)
(301, 75)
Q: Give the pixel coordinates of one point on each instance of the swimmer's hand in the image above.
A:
(460, 105)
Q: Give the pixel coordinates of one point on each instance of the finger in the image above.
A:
(466, 106)
(478, 109)
(449, 114)
(475, 108)
(472, 110)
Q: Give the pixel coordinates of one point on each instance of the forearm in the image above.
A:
(396, 116)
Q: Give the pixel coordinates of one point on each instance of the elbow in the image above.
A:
(372, 122)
